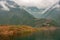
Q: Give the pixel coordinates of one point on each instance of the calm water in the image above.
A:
(44, 35)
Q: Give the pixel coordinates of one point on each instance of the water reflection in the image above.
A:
(44, 35)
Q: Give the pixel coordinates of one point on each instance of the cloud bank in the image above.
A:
(37, 3)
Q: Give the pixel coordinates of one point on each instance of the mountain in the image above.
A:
(53, 14)
(12, 14)
(35, 11)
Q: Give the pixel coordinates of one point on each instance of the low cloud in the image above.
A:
(37, 3)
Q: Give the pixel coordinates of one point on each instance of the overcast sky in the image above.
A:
(37, 3)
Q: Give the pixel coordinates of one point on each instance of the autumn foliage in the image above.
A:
(10, 32)
(15, 31)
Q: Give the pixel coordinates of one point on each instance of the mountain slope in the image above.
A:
(15, 15)
(35, 11)
(53, 14)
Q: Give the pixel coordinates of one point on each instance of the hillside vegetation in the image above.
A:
(23, 32)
